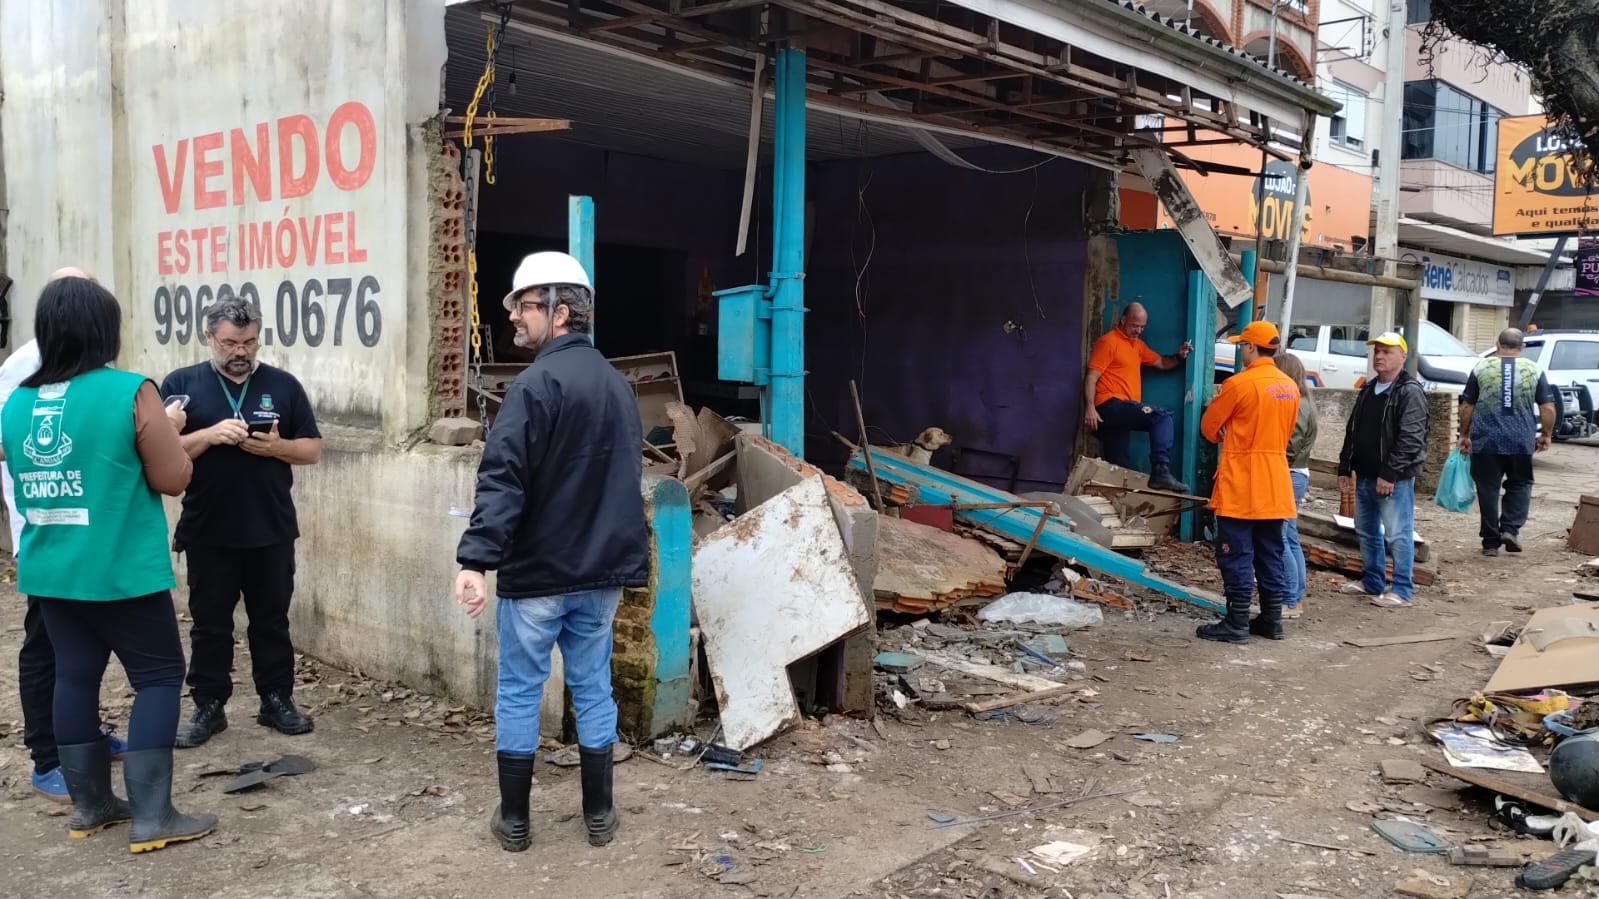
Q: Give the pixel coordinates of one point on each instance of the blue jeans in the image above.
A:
(1119, 418)
(1293, 553)
(1386, 522)
(580, 623)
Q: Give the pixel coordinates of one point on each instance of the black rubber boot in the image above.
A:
(148, 775)
(1160, 478)
(278, 712)
(599, 812)
(1234, 628)
(207, 721)
(87, 770)
(1269, 623)
(509, 823)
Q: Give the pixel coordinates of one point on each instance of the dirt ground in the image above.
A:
(1275, 742)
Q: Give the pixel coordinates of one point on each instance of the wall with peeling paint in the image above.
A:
(915, 270)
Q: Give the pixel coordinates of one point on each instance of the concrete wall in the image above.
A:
(1333, 407)
(181, 149)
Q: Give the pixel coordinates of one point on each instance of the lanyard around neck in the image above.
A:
(236, 404)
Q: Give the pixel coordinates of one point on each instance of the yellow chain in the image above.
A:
(471, 109)
(477, 322)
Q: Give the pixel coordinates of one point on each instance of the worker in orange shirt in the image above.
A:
(1115, 389)
(1252, 418)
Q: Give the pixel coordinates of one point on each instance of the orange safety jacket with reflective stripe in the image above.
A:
(1257, 409)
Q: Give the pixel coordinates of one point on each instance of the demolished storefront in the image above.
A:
(926, 210)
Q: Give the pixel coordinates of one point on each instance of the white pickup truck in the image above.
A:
(1335, 356)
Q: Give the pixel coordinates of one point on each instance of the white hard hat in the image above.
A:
(544, 269)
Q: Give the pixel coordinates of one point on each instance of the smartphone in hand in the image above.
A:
(260, 427)
(182, 399)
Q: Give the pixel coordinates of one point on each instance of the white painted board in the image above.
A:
(770, 588)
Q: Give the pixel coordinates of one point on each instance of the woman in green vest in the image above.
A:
(90, 451)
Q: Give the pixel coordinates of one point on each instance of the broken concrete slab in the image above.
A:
(922, 569)
(455, 432)
(1423, 884)
(1403, 771)
(772, 587)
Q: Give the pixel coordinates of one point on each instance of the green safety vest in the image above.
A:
(95, 529)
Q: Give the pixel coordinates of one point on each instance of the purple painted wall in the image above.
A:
(927, 340)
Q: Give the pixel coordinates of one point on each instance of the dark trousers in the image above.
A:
(36, 681)
(217, 577)
(1513, 474)
(1119, 418)
(1249, 552)
(143, 632)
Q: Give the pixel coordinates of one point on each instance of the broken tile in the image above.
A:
(1403, 771)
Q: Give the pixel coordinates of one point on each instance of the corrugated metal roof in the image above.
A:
(632, 105)
(1178, 26)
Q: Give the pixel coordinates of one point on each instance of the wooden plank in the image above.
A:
(1339, 560)
(1005, 702)
(1401, 640)
(990, 672)
(1512, 787)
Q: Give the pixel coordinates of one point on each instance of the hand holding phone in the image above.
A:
(261, 427)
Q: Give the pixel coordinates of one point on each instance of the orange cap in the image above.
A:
(1261, 334)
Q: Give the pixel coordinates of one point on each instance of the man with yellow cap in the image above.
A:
(1252, 417)
(1385, 443)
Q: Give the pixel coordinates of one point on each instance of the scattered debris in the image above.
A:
(1425, 885)
(941, 817)
(1475, 746)
(1363, 807)
(1061, 852)
(1518, 785)
(1485, 856)
(1088, 739)
(1329, 846)
(898, 662)
(1156, 738)
(1042, 779)
(1003, 702)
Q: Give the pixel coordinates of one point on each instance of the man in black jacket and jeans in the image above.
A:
(1385, 443)
(560, 516)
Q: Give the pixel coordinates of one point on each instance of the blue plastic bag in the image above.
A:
(1456, 490)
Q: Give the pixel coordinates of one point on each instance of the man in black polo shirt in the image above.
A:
(248, 423)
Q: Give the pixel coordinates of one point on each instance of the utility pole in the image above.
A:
(1385, 240)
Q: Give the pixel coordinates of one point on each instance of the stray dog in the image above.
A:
(922, 448)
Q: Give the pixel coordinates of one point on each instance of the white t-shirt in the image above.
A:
(22, 364)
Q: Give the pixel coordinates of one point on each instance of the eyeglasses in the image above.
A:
(233, 346)
(529, 305)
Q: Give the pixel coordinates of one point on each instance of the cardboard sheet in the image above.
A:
(1561, 663)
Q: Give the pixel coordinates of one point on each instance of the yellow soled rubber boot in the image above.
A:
(148, 775)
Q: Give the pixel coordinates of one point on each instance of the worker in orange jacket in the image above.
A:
(1252, 418)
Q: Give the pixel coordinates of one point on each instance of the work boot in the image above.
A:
(148, 776)
(1234, 627)
(1160, 478)
(87, 769)
(278, 712)
(509, 822)
(1269, 623)
(1512, 543)
(599, 812)
(207, 721)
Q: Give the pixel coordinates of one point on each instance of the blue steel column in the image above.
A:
(1199, 378)
(1246, 311)
(787, 406)
(580, 237)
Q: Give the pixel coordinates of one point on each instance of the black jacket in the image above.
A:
(560, 506)
(1402, 443)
